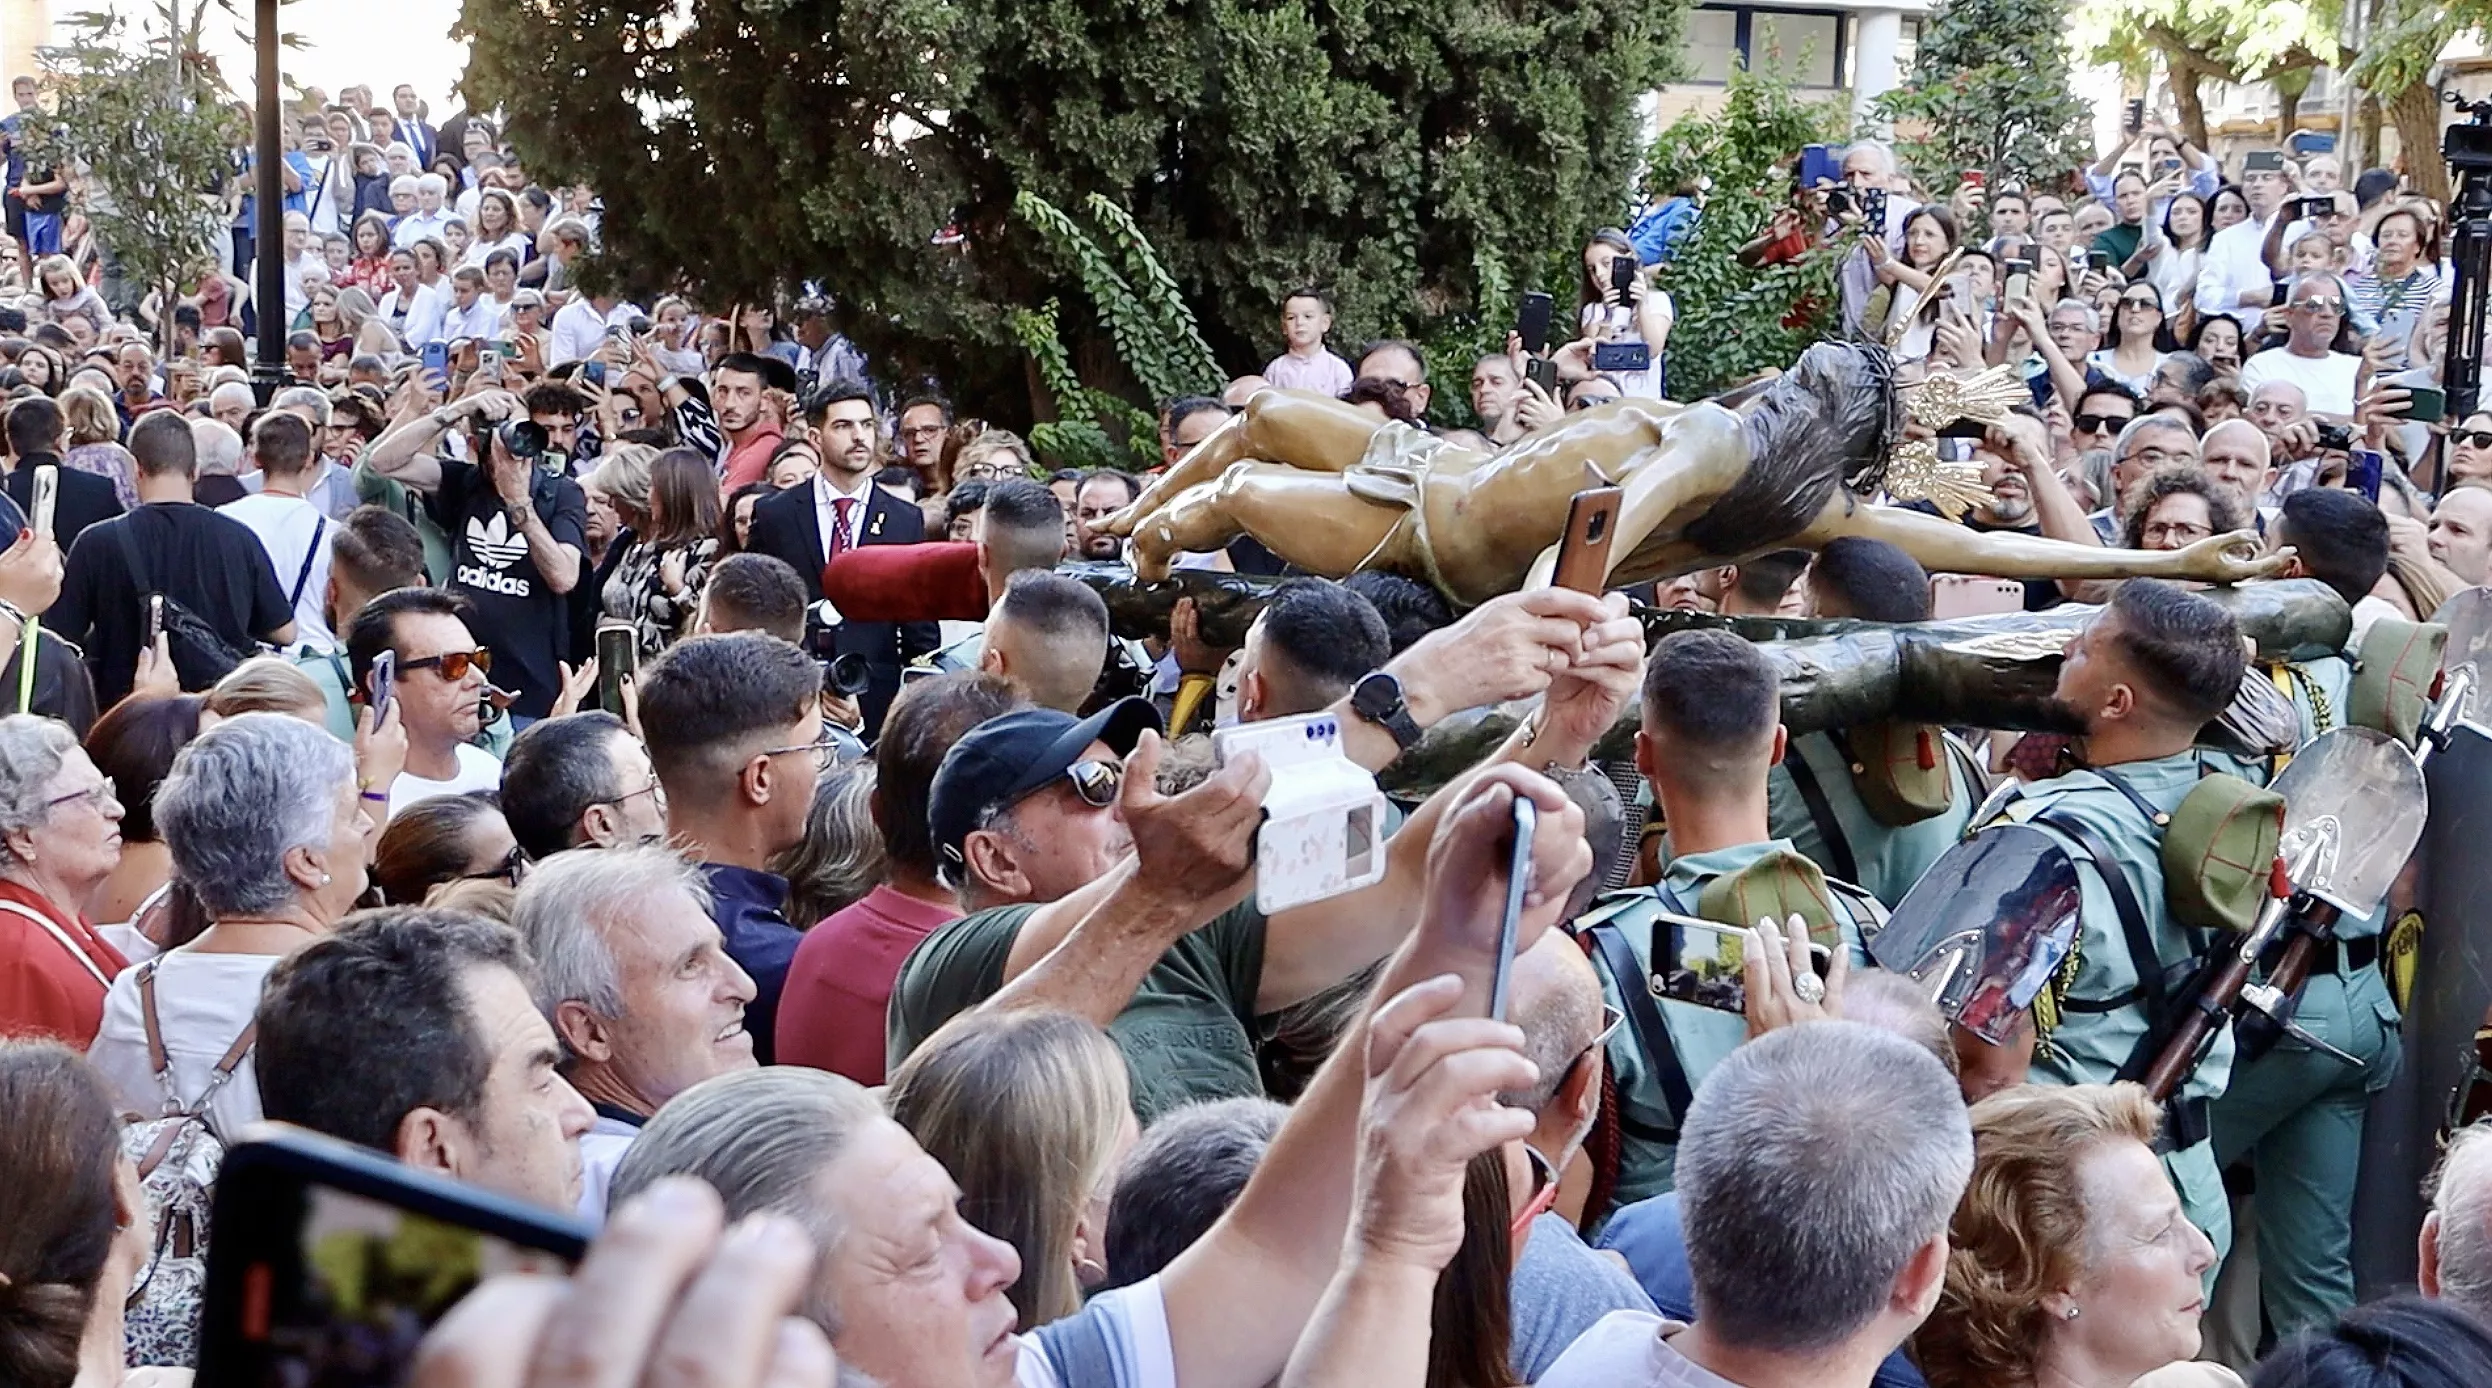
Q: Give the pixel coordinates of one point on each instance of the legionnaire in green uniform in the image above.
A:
(1874, 805)
(2294, 1113)
(1710, 732)
(2157, 665)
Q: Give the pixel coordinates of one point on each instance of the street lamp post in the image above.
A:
(268, 289)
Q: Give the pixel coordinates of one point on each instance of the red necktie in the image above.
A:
(840, 507)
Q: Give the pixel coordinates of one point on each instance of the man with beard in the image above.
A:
(1101, 495)
(2154, 667)
(841, 509)
(2027, 495)
(736, 398)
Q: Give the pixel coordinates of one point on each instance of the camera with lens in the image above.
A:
(639, 326)
(845, 675)
(523, 438)
(2335, 438)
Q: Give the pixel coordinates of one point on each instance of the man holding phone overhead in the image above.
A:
(2235, 280)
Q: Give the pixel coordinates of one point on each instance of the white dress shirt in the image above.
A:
(2234, 266)
(579, 329)
(826, 513)
(415, 226)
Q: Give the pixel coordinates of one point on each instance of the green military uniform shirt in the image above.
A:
(1702, 1036)
(1187, 1035)
(2102, 1015)
(1885, 859)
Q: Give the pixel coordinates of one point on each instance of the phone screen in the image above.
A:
(1531, 322)
(364, 1282)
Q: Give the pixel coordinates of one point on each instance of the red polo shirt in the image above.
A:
(749, 461)
(54, 969)
(839, 984)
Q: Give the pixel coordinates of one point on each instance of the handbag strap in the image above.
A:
(319, 532)
(60, 936)
(130, 551)
(1652, 1035)
(162, 1063)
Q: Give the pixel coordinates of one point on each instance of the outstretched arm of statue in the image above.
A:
(1312, 432)
(1942, 546)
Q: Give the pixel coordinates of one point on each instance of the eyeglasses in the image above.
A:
(656, 790)
(1096, 782)
(2176, 530)
(509, 869)
(825, 749)
(453, 665)
(2319, 305)
(1544, 1195)
(2100, 423)
(2158, 457)
(2477, 438)
(921, 431)
(95, 796)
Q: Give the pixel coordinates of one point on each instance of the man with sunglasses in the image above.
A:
(439, 688)
(1089, 890)
(2313, 355)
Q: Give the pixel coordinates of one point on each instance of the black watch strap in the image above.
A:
(1378, 699)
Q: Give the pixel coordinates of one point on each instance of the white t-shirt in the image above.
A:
(291, 530)
(1629, 1349)
(2327, 381)
(477, 771)
(1118, 1339)
(601, 1151)
(203, 1001)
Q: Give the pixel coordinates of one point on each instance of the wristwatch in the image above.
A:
(1378, 698)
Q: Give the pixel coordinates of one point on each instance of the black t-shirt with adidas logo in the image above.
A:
(521, 619)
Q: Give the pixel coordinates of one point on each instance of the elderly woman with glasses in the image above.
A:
(266, 825)
(2321, 353)
(62, 828)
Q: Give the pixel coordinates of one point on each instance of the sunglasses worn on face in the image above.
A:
(513, 865)
(453, 665)
(2142, 303)
(1096, 782)
(2099, 423)
(2319, 305)
(2476, 438)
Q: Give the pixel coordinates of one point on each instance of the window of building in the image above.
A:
(1808, 44)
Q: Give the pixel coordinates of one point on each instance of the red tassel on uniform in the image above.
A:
(1929, 754)
(2279, 885)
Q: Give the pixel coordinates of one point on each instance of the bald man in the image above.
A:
(2237, 455)
(2461, 534)
(1560, 1286)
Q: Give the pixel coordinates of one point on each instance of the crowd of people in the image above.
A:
(635, 762)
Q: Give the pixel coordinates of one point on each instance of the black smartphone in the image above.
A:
(1509, 925)
(618, 659)
(384, 683)
(1622, 270)
(1531, 322)
(333, 1260)
(1617, 357)
(595, 374)
(2136, 117)
(2335, 438)
(2263, 161)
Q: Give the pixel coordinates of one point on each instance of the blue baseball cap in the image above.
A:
(1013, 754)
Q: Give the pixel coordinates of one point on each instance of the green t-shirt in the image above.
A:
(1188, 1034)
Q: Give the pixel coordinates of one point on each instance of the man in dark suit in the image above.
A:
(422, 138)
(839, 510)
(34, 442)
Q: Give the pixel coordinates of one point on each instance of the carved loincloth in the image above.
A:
(1393, 472)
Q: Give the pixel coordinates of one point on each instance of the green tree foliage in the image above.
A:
(1383, 149)
(1736, 321)
(1154, 333)
(2198, 41)
(1990, 91)
(144, 112)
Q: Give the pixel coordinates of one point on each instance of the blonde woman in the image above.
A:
(93, 430)
(2073, 1264)
(1030, 1113)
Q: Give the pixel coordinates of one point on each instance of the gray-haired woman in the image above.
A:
(60, 839)
(266, 824)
